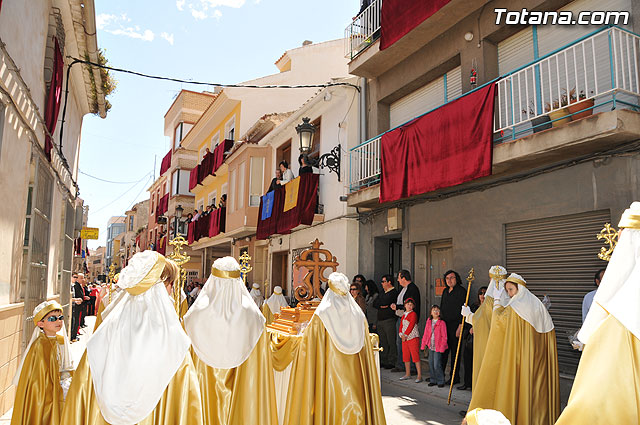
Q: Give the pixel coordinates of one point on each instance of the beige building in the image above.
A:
(96, 263)
(136, 221)
(39, 174)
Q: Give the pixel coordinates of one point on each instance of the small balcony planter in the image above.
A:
(558, 115)
(541, 123)
(586, 106)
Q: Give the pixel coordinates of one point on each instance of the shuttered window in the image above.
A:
(515, 51)
(558, 257)
(426, 98)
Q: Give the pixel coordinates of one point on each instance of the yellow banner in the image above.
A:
(89, 233)
(291, 194)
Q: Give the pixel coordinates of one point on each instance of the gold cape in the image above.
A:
(101, 308)
(39, 394)
(242, 395)
(266, 311)
(180, 403)
(329, 387)
(607, 385)
(519, 374)
(481, 327)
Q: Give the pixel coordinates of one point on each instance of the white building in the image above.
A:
(38, 209)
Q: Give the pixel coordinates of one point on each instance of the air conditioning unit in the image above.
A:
(394, 219)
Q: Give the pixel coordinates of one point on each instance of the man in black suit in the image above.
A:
(86, 299)
(76, 309)
(408, 289)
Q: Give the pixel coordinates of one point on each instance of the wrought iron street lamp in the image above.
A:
(330, 160)
(179, 211)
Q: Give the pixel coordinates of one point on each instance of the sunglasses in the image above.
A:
(353, 289)
(55, 318)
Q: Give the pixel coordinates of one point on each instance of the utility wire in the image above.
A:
(202, 83)
(119, 197)
(110, 181)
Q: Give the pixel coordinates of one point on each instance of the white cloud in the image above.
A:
(104, 19)
(180, 5)
(217, 14)
(228, 3)
(168, 37)
(200, 9)
(131, 32)
(198, 14)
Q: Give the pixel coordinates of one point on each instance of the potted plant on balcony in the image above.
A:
(559, 109)
(538, 123)
(580, 103)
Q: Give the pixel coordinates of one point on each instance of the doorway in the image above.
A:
(431, 260)
(279, 271)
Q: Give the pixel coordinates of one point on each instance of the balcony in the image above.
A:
(581, 99)
(204, 172)
(363, 31)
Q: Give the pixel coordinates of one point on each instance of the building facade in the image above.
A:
(563, 149)
(40, 160)
(96, 265)
(115, 228)
(136, 221)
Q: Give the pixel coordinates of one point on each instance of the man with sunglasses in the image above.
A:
(387, 323)
(77, 299)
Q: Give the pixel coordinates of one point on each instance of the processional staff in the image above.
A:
(180, 257)
(110, 277)
(470, 278)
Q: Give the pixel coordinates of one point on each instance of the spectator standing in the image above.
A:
(305, 165)
(370, 296)
(386, 322)
(287, 174)
(223, 201)
(409, 290)
(410, 338)
(435, 338)
(453, 298)
(588, 299)
(275, 181)
(356, 292)
(86, 299)
(467, 343)
(76, 310)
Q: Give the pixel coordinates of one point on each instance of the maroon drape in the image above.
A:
(206, 166)
(269, 226)
(53, 98)
(193, 177)
(398, 17)
(163, 206)
(166, 163)
(218, 153)
(446, 147)
(217, 223)
(191, 232)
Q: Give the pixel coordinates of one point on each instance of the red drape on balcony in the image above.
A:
(53, 98)
(218, 153)
(302, 213)
(446, 147)
(218, 222)
(398, 17)
(191, 232)
(193, 177)
(206, 166)
(163, 206)
(166, 163)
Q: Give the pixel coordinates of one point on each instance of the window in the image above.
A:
(153, 203)
(256, 182)
(215, 140)
(200, 206)
(131, 223)
(241, 173)
(202, 152)
(230, 129)
(181, 130)
(180, 182)
(232, 186)
(211, 200)
(284, 153)
(223, 190)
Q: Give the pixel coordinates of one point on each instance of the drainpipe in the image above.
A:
(363, 110)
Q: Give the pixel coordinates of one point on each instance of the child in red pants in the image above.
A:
(410, 340)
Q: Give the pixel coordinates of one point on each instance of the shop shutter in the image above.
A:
(454, 84)
(417, 103)
(515, 51)
(558, 257)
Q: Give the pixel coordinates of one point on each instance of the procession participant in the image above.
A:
(485, 417)
(519, 374)
(273, 305)
(231, 351)
(137, 368)
(43, 375)
(453, 298)
(607, 384)
(334, 378)
(481, 319)
(256, 295)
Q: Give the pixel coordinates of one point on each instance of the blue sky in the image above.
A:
(225, 41)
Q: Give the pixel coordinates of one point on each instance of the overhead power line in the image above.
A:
(110, 181)
(204, 83)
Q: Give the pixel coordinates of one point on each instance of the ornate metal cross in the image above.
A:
(245, 266)
(311, 258)
(610, 236)
(111, 275)
(180, 257)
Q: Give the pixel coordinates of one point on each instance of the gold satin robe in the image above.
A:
(330, 387)
(519, 374)
(607, 385)
(39, 395)
(242, 395)
(481, 327)
(180, 403)
(266, 312)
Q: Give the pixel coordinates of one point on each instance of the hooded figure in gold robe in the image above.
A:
(519, 374)
(607, 385)
(273, 304)
(231, 351)
(334, 377)
(44, 373)
(137, 368)
(495, 298)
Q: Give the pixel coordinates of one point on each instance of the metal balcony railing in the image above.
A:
(363, 31)
(596, 73)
